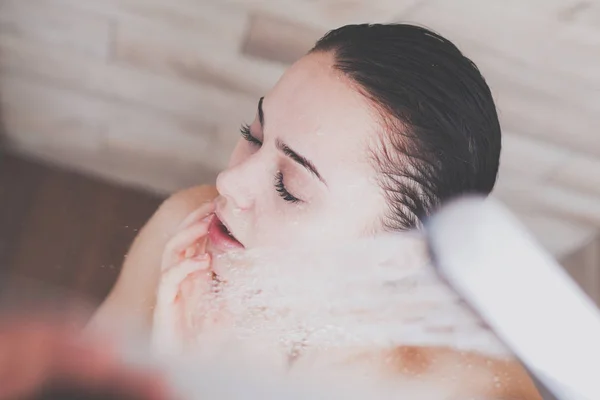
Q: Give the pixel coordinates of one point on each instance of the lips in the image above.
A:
(220, 237)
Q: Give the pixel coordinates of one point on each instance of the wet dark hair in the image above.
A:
(442, 132)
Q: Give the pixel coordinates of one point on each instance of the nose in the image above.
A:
(239, 183)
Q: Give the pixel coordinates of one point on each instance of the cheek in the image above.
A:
(280, 224)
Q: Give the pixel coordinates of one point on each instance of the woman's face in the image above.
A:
(301, 172)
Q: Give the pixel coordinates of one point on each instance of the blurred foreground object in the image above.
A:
(45, 356)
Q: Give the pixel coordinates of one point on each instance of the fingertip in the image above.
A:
(202, 213)
(209, 217)
(190, 252)
(202, 257)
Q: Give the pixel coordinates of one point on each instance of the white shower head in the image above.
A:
(493, 263)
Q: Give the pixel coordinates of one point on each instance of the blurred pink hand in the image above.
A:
(39, 351)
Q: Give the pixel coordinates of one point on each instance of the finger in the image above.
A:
(167, 318)
(199, 214)
(197, 307)
(175, 250)
(174, 276)
(171, 280)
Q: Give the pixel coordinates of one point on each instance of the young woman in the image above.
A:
(370, 132)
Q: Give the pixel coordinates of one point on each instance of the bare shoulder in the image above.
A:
(472, 374)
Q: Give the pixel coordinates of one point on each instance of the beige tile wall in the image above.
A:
(138, 91)
(151, 93)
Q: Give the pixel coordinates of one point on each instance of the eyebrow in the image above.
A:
(303, 161)
(261, 114)
(285, 149)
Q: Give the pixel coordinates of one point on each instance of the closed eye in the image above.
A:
(247, 135)
(282, 190)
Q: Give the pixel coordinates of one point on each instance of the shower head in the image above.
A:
(482, 251)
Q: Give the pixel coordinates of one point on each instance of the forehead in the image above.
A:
(317, 111)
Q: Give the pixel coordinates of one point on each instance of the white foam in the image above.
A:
(372, 292)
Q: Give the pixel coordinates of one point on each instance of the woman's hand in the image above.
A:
(185, 276)
(130, 305)
(39, 352)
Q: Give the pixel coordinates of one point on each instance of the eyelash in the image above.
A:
(282, 191)
(247, 135)
(279, 186)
